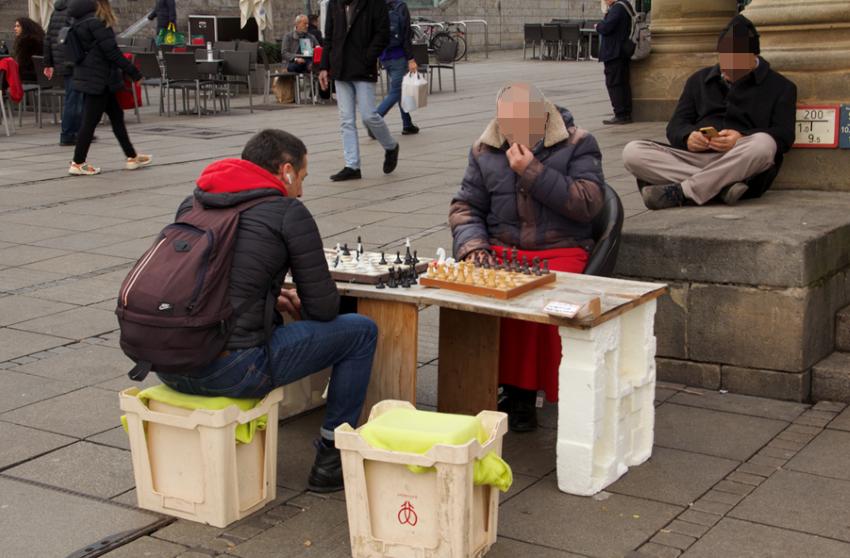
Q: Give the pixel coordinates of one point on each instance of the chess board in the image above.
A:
(367, 269)
(493, 283)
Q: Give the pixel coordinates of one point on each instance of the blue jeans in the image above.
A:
(397, 69)
(350, 95)
(72, 113)
(298, 349)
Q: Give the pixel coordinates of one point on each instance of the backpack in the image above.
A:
(639, 44)
(396, 25)
(74, 51)
(174, 306)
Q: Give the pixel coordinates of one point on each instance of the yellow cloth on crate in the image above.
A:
(412, 431)
(164, 394)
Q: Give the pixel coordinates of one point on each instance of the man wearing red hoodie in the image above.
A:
(273, 238)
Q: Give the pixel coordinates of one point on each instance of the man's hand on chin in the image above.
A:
(519, 157)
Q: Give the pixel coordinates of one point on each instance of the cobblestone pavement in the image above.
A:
(730, 475)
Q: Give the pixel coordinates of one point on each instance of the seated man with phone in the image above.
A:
(733, 123)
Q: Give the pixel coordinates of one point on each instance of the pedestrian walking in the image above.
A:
(56, 63)
(398, 60)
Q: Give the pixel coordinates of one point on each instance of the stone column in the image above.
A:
(809, 43)
(684, 39)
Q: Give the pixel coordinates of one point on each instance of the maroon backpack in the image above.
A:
(174, 306)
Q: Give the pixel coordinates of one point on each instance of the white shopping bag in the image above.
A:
(414, 92)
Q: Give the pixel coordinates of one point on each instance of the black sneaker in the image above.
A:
(663, 196)
(346, 174)
(326, 474)
(66, 143)
(618, 120)
(410, 130)
(391, 159)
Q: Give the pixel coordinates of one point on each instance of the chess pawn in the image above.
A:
(383, 260)
(345, 251)
(398, 258)
(491, 280)
(545, 267)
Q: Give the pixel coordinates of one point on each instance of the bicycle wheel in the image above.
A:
(461, 46)
(438, 39)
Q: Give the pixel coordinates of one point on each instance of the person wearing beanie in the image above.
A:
(731, 127)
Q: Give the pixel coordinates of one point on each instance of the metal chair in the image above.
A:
(445, 57)
(181, 73)
(607, 227)
(532, 33)
(52, 88)
(272, 73)
(570, 36)
(8, 120)
(551, 36)
(237, 64)
(150, 67)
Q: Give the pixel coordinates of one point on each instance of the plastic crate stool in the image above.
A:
(212, 465)
(435, 494)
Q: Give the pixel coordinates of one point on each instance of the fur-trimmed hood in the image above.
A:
(559, 128)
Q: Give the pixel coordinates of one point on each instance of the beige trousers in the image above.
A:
(702, 175)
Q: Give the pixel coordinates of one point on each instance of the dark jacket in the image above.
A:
(406, 48)
(550, 206)
(54, 53)
(101, 69)
(290, 47)
(25, 49)
(614, 29)
(165, 12)
(316, 32)
(273, 238)
(352, 46)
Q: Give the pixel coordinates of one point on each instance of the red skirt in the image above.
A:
(530, 353)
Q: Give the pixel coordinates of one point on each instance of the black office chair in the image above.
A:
(606, 233)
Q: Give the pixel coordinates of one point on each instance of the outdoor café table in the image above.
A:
(589, 32)
(606, 378)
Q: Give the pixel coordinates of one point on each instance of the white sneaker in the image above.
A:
(83, 169)
(138, 162)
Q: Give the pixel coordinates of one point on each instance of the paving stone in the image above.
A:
(757, 470)
(76, 324)
(831, 378)
(802, 429)
(507, 548)
(81, 241)
(733, 487)
(708, 506)
(20, 443)
(799, 501)
(654, 550)
(81, 292)
(78, 263)
(746, 478)
(699, 517)
(675, 540)
(19, 308)
(147, 547)
(788, 445)
(686, 528)
(705, 431)
(814, 418)
(127, 498)
(767, 461)
(829, 406)
(116, 438)
(662, 394)
(627, 521)
(22, 254)
(14, 343)
(741, 404)
(749, 540)
(827, 455)
(82, 467)
(14, 278)
(86, 365)
(71, 521)
(17, 390)
(81, 413)
(530, 453)
(842, 421)
(188, 533)
(673, 476)
(776, 453)
(722, 497)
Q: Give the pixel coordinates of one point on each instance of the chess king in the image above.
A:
(534, 183)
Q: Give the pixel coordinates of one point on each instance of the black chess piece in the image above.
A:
(392, 283)
(345, 250)
(408, 257)
(383, 260)
(514, 255)
(415, 258)
(545, 267)
(380, 284)
(336, 261)
(398, 258)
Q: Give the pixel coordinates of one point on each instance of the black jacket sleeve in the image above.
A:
(684, 119)
(172, 11)
(47, 49)
(380, 31)
(316, 289)
(327, 48)
(613, 20)
(105, 40)
(407, 43)
(782, 119)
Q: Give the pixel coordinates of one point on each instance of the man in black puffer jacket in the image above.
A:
(54, 61)
(274, 238)
(165, 12)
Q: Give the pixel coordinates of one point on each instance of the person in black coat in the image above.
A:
(614, 31)
(356, 33)
(313, 28)
(99, 75)
(55, 62)
(733, 123)
(29, 42)
(273, 238)
(165, 12)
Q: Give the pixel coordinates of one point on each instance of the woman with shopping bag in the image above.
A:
(398, 60)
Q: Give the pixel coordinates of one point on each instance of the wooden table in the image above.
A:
(606, 379)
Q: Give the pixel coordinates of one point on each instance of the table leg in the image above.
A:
(394, 367)
(606, 413)
(468, 362)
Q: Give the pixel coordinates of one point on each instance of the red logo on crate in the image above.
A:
(407, 515)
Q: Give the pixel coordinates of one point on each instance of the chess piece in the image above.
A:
(408, 257)
(345, 250)
(545, 267)
(359, 246)
(336, 262)
(391, 282)
(407, 242)
(441, 255)
(398, 258)
(383, 260)
(415, 258)
(380, 284)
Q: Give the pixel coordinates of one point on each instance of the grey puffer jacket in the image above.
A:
(550, 206)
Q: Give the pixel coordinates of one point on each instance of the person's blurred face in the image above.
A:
(522, 122)
(18, 28)
(735, 59)
(301, 25)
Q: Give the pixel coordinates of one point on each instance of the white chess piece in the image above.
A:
(441, 256)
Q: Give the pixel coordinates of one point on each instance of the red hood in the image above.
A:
(230, 176)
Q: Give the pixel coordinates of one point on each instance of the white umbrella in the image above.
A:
(260, 10)
(40, 11)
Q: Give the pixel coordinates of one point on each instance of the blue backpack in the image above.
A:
(397, 29)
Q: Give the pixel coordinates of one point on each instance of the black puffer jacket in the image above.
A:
(165, 12)
(101, 69)
(351, 51)
(54, 53)
(273, 238)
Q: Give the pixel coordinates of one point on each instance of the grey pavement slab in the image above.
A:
(509, 548)
(800, 501)
(22, 254)
(80, 291)
(20, 443)
(81, 413)
(742, 539)
(842, 421)
(83, 467)
(14, 278)
(610, 528)
(15, 343)
(147, 547)
(71, 521)
(84, 365)
(673, 476)
(116, 438)
(18, 390)
(79, 262)
(742, 404)
(75, 324)
(19, 308)
(828, 455)
(531, 453)
(705, 431)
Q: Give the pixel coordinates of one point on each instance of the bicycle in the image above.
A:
(435, 33)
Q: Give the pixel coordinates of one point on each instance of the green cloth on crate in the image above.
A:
(412, 431)
(164, 394)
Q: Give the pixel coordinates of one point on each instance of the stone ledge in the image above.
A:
(831, 378)
(842, 330)
(784, 239)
